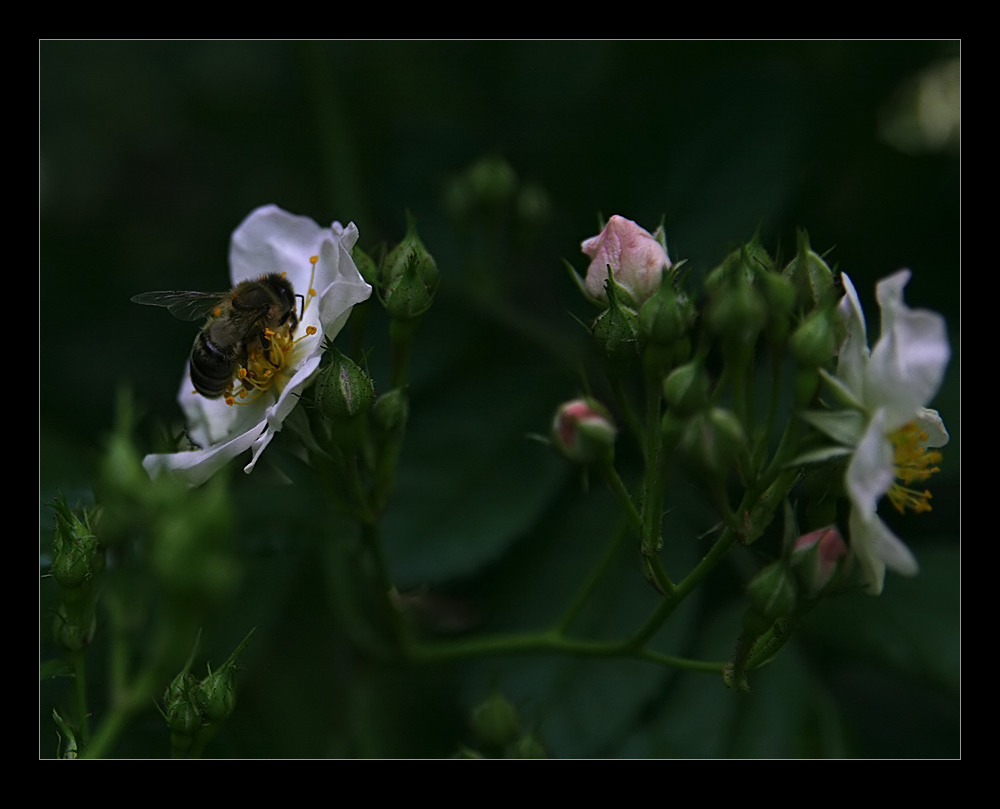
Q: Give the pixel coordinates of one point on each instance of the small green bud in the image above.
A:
(686, 389)
(409, 276)
(662, 321)
(216, 694)
(77, 555)
(343, 390)
(392, 410)
(813, 279)
(772, 594)
(182, 712)
(492, 182)
(813, 343)
(74, 628)
(713, 439)
(779, 295)
(495, 721)
(528, 746)
(736, 310)
(737, 313)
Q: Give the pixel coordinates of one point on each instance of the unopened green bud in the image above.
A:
(216, 694)
(813, 279)
(495, 721)
(409, 277)
(737, 313)
(686, 389)
(813, 343)
(779, 295)
(392, 410)
(661, 318)
(527, 746)
(772, 594)
(343, 390)
(182, 712)
(492, 181)
(77, 555)
(713, 439)
(74, 628)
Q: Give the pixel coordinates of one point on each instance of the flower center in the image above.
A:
(912, 462)
(269, 355)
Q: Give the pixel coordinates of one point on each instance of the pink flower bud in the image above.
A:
(583, 431)
(636, 258)
(819, 556)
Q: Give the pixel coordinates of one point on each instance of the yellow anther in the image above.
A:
(912, 462)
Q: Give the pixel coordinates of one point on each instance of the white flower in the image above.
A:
(891, 386)
(317, 261)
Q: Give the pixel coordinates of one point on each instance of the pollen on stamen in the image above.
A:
(912, 462)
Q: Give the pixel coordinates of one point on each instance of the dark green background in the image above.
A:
(152, 152)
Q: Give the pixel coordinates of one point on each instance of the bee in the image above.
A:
(236, 340)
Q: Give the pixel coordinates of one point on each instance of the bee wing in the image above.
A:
(182, 305)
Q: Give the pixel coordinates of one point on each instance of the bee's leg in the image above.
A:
(265, 345)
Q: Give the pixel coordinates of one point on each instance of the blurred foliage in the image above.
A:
(506, 154)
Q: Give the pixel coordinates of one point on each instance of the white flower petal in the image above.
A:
(870, 472)
(875, 548)
(908, 362)
(852, 358)
(864, 542)
(197, 466)
(930, 422)
(272, 240)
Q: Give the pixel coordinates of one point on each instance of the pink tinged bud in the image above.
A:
(819, 556)
(583, 431)
(636, 258)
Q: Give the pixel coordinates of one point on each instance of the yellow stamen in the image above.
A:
(912, 462)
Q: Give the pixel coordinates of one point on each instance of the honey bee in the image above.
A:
(236, 340)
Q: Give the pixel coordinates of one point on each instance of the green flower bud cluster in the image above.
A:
(193, 708)
(748, 296)
(406, 279)
(497, 726)
(78, 559)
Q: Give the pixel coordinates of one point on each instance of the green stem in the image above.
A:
(124, 706)
(549, 641)
(652, 500)
(621, 492)
(682, 590)
(591, 582)
(78, 660)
